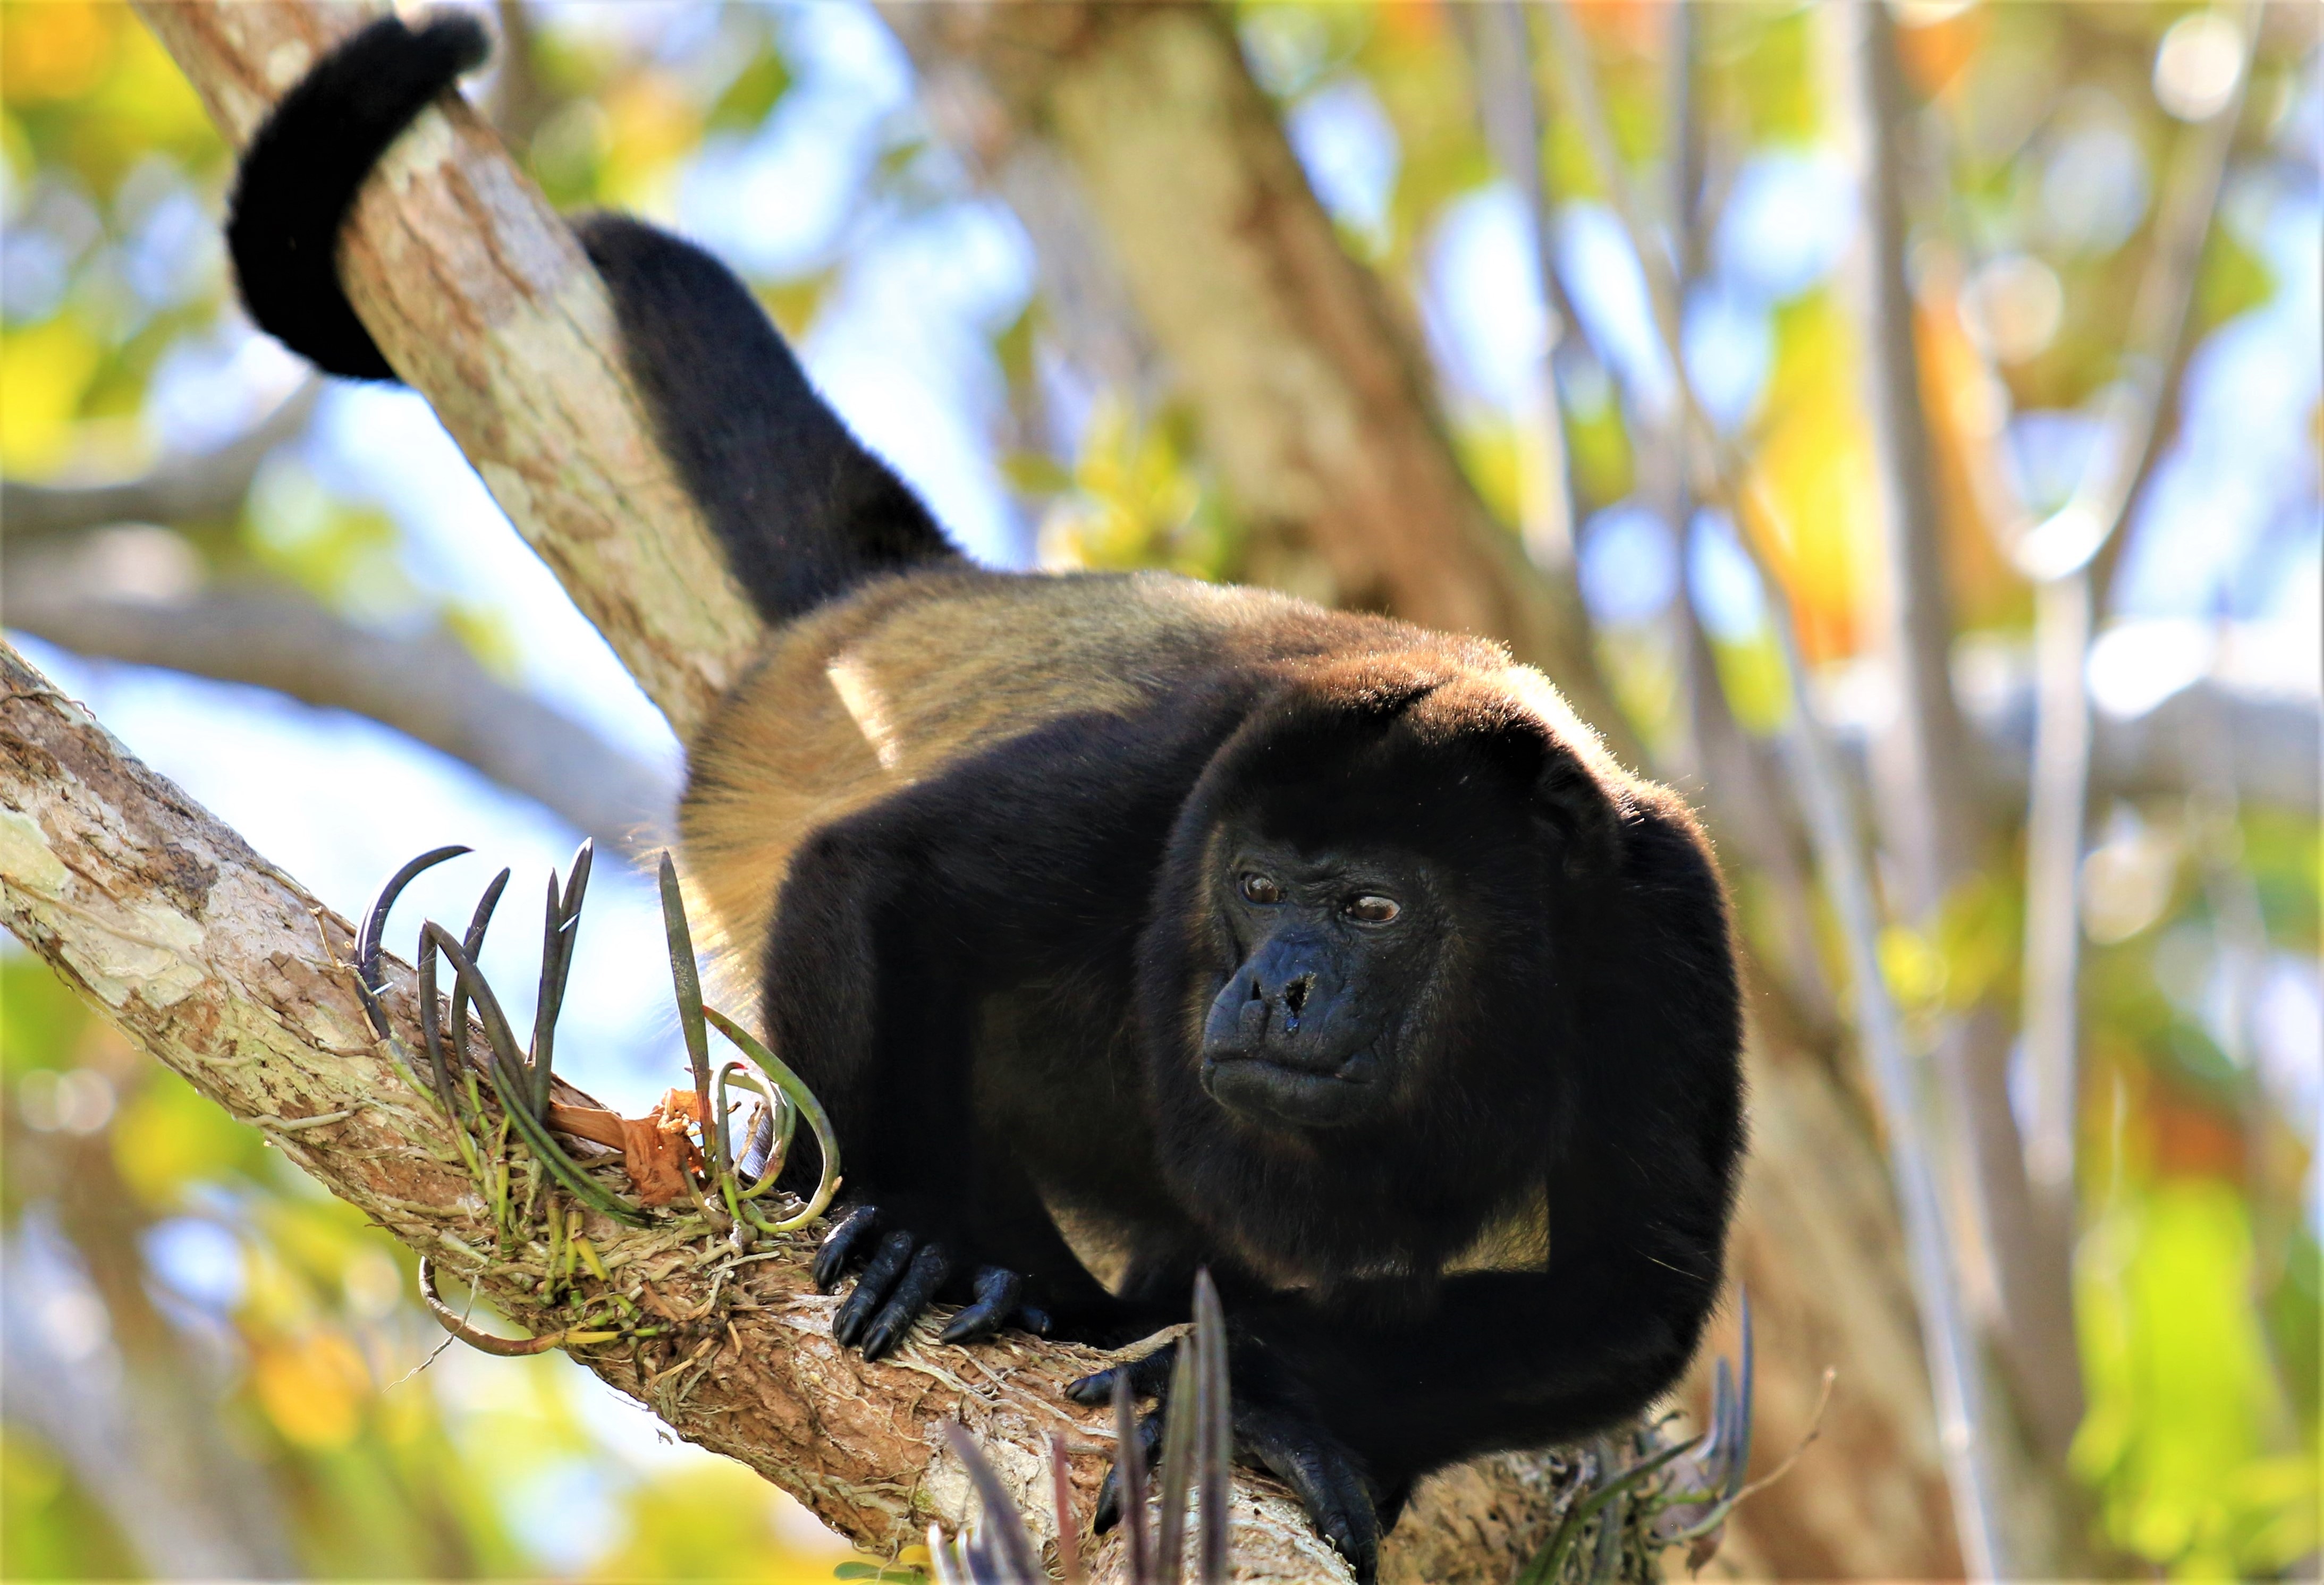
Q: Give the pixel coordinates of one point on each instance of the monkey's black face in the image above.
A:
(1309, 1031)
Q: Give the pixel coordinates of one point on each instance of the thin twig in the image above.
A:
(2057, 555)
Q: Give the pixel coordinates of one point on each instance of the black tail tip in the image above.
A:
(302, 171)
(462, 38)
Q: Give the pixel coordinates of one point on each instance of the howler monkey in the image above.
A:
(1127, 924)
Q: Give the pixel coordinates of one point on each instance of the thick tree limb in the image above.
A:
(224, 969)
(426, 686)
(482, 301)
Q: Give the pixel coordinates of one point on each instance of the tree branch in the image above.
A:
(181, 490)
(1194, 210)
(227, 971)
(1932, 819)
(482, 301)
(1955, 1370)
(2058, 555)
(426, 686)
(1314, 400)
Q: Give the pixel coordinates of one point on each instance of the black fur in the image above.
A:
(1326, 966)
(301, 172)
(804, 511)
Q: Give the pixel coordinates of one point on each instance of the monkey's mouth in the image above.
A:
(1300, 1095)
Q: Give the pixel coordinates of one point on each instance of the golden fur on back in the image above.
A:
(872, 693)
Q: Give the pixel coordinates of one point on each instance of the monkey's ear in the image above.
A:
(1586, 818)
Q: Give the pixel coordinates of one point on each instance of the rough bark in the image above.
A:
(426, 686)
(482, 301)
(221, 967)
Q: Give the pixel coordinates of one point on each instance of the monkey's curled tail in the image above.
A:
(301, 172)
(803, 510)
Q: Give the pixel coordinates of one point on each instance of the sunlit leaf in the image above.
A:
(45, 370)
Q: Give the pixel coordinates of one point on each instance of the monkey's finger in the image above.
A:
(928, 1270)
(998, 1290)
(1149, 1378)
(1326, 1477)
(1109, 1495)
(844, 1240)
(1034, 1319)
(871, 1288)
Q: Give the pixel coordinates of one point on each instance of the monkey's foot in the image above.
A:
(1340, 1496)
(902, 1275)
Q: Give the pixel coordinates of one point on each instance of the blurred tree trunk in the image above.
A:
(1933, 793)
(137, 1421)
(1308, 379)
(1319, 418)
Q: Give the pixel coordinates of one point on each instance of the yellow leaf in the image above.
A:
(58, 50)
(313, 1389)
(45, 372)
(167, 1137)
(1814, 459)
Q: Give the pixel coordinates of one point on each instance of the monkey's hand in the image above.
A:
(904, 1272)
(1347, 1506)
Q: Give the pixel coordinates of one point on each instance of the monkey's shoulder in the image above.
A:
(913, 673)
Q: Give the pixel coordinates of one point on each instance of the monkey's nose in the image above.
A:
(1294, 1001)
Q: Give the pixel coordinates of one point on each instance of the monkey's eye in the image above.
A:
(1259, 888)
(1372, 909)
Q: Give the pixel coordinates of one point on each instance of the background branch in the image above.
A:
(1955, 1371)
(426, 686)
(180, 489)
(2059, 554)
(1932, 820)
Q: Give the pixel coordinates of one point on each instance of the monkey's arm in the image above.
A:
(1350, 1409)
(1030, 862)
